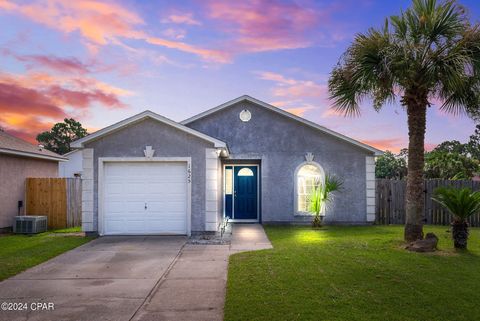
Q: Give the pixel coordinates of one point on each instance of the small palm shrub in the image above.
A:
(321, 195)
(462, 203)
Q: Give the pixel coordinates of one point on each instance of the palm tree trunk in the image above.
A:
(460, 234)
(416, 111)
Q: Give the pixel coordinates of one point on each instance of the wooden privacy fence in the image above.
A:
(390, 201)
(58, 198)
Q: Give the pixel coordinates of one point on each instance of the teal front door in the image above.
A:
(241, 199)
(245, 193)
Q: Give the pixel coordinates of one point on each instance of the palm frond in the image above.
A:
(322, 194)
(364, 71)
(461, 203)
(429, 50)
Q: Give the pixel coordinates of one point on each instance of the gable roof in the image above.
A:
(73, 151)
(142, 116)
(15, 146)
(286, 114)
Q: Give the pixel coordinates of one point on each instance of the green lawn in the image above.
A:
(353, 273)
(76, 229)
(20, 252)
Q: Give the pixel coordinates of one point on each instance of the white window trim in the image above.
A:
(295, 188)
(101, 164)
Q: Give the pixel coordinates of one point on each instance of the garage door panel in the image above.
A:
(162, 207)
(167, 188)
(115, 226)
(136, 226)
(113, 206)
(114, 187)
(125, 215)
(175, 226)
(160, 198)
(135, 187)
(129, 186)
(135, 207)
(168, 170)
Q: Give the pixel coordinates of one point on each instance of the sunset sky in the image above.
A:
(102, 61)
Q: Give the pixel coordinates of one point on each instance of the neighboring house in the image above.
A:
(19, 160)
(244, 159)
(73, 167)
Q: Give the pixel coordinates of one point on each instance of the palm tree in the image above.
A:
(462, 203)
(429, 52)
(321, 195)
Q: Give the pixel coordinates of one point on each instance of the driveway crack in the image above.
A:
(159, 282)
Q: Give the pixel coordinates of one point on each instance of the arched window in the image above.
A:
(245, 172)
(308, 176)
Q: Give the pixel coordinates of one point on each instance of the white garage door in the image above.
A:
(145, 198)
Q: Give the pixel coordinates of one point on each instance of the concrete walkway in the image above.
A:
(249, 237)
(194, 288)
(131, 278)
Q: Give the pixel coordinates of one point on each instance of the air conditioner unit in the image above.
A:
(30, 224)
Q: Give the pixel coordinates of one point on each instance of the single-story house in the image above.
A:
(244, 159)
(19, 160)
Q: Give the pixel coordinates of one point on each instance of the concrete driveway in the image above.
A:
(130, 278)
(106, 279)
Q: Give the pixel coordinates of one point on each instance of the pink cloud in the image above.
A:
(430, 146)
(281, 103)
(259, 25)
(181, 18)
(84, 99)
(59, 64)
(20, 100)
(246, 26)
(297, 96)
(26, 127)
(299, 111)
(30, 103)
(272, 76)
(294, 88)
(101, 23)
(67, 65)
(392, 144)
(331, 112)
(174, 33)
(207, 54)
(302, 89)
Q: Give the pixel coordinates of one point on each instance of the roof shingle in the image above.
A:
(11, 144)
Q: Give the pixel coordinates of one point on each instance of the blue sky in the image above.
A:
(102, 61)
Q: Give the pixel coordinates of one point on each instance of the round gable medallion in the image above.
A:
(245, 115)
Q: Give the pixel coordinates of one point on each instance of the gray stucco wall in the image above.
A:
(167, 141)
(280, 143)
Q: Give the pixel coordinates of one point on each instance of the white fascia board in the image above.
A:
(136, 118)
(376, 151)
(72, 152)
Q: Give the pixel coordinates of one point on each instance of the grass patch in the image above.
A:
(76, 229)
(20, 252)
(353, 273)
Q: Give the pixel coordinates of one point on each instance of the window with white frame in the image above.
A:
(309, 176)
